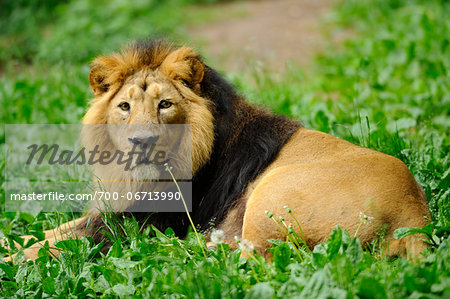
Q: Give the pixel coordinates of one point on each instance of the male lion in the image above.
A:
(246, 160)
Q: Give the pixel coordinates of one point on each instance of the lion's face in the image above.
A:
(131, 96)
(148, 98)
(139, 117)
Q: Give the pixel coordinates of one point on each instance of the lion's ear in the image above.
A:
(97, 79)
(184, 64)
(108, 71)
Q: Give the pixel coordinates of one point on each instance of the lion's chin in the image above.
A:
(145, 172)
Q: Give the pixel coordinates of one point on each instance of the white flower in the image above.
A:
(287, 209)
(4, 242)
(218, 236)
(364, 218)
(246, 245)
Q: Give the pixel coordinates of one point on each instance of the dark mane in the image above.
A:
(247, 140)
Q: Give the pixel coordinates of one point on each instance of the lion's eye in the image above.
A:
(164, 104)
(124, 106)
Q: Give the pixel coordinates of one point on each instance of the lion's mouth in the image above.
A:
(148, 151)
(150, 171)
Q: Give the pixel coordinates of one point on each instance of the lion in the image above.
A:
(247, 160)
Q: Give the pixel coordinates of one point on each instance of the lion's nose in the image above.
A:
(143, 142)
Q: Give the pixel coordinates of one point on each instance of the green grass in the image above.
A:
(387, 87)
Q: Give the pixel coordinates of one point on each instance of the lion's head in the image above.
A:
(151, 83)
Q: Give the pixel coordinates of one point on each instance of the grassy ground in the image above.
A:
(387, 87)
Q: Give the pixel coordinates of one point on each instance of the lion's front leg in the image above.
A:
(71, 229)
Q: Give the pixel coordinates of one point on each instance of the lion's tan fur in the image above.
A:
(326, 182)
